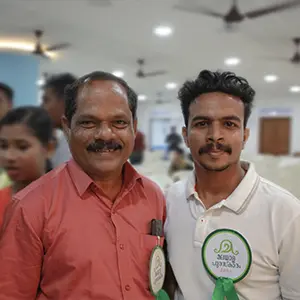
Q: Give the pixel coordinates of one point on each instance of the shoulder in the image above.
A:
(43, 187)
(281, 201)
(177, 189)
(150, 186)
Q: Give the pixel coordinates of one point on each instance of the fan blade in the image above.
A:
(155, 73)
(200, 10)
(57, 47)
(41, 55)
(296, 58)
(100, 2)
(272, 9)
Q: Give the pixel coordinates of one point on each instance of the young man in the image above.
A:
(228, 230)
(54, 102)
(83, 230)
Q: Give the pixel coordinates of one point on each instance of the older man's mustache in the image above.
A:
(102, 145)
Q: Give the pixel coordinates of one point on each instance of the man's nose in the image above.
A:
(104, 132)
(215, 133)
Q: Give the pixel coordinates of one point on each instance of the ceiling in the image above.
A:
(112, 37)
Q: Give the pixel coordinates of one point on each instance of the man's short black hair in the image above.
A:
(209, 82)
(8, 91)
(72, 92)
(59, 82)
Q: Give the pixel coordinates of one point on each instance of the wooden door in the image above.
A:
(275, 136)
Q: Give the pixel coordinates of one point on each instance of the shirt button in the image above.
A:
(121, 246)
(202, 220)
(127, 287)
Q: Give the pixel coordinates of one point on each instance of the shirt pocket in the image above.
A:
(148, 241)
(147, 244)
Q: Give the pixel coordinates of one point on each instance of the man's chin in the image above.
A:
(214, 167)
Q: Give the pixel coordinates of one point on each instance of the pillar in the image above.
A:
(21, 72)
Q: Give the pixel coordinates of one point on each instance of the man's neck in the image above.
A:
(111, 185)
(213, 187)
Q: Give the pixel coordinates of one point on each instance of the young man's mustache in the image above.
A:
(218, 146)
(103, 145)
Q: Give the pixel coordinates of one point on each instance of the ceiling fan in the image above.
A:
(42, 51)
(102, 3)
(142, 74)
(234, 15)
(295, 59)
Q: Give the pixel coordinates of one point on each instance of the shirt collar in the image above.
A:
(239, 196)
(83, 181)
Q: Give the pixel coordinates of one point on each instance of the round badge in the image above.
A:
(157, 270)
(227, 254)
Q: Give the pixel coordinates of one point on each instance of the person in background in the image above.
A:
(178, 162)
(6, 99)
(173, 141)
(53, 101)
(6, 103)
(224, 208)
(25, 149)
(137, 156)
(82, 231)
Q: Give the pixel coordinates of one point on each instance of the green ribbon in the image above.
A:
(162, 295)
(224, 288)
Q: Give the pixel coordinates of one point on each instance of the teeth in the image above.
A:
(105, 150)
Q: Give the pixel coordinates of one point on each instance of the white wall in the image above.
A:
(146, 111)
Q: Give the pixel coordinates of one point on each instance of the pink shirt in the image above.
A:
(66, 241)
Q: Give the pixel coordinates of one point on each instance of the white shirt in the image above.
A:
(264, 213)
(62, 153)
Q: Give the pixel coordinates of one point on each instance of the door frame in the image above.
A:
(262, 119)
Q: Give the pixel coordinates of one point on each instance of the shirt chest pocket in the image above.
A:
(148, 241)
(144, 246)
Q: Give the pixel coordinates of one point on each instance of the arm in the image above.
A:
(289, 261)
(21, 254)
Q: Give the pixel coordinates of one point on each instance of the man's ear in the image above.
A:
(66, 126)
(184, 134)
(246, 136)
(135, 124)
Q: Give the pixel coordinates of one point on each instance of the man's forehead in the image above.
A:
(215, 100)
(102, 87)
(216, 107)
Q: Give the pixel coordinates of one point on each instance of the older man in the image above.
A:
(83, 230)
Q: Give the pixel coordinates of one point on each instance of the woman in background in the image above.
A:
(26, 144)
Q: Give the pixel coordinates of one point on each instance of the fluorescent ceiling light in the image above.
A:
(163, 31)
(171, 85)
(21, 46)
(142, 97)
(295, 89)
(118, 73)
(271, 78)
(232, 61)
